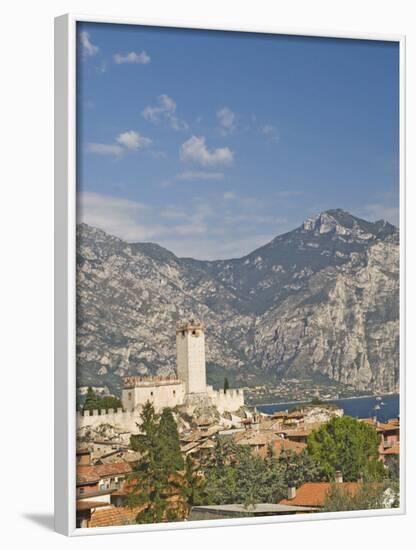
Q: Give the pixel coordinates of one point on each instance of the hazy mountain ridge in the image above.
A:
(323, 298)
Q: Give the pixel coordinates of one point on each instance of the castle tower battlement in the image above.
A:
(130, 382)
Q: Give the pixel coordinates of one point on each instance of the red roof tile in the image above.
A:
(93, 473)
(314, 494)
(114, 516)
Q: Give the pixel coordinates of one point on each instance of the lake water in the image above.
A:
(359, 407)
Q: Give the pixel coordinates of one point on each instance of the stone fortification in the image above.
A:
(188, 390)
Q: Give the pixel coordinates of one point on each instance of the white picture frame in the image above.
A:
(65, 282)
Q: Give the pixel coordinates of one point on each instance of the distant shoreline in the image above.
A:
(324, 400)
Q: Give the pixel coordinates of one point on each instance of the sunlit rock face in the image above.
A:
(320, 300)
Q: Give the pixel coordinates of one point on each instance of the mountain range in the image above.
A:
(319, 301)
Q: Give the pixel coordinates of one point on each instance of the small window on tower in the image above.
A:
(151, 393)
(174, 392)
(183, 333)
(129, 394)
(193, 332)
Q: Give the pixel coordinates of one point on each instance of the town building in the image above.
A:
(95, 484)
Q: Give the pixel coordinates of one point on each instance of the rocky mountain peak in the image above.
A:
(340, 222)
(321, 300)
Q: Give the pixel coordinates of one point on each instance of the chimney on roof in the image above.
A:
(291, 493)
(338, 476)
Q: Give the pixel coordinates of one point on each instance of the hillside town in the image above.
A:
(169, 451)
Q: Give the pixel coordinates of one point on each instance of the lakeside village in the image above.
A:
(178, 450)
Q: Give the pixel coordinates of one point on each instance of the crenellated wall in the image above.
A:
(125, 421)
(229, 401)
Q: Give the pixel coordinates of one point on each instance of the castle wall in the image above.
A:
(229, 401)
(124, 421)
(160, 395)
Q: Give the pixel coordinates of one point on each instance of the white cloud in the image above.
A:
(270, 132)
(88, 49)
(195, 150)
(210, 227)
(164, 111)
(112, 150)
(133, 140)
(202, 176)
(227, 120)
(126, 141)
(378, 211)
(119, 217)
(141, 58)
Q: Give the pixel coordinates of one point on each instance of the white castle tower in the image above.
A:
(190, 354)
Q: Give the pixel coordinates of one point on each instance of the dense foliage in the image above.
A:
(93, 401)
(347, 445)
(298, 468)
(237, 476)
(369, 496)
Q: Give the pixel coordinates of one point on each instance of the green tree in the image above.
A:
(393, 468)
(169, 442)
(226, 385)
(156, 477)
(237, 476)
(348, 445)
(110, 402)
(369, 496)
(298, 468)
(194, 484)
(92, 401)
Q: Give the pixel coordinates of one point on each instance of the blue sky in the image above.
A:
(212, 143)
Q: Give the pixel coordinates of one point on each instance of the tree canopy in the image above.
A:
(369, 496)
(298, 468)
(347, 445)
(93, 401)
(236, 476)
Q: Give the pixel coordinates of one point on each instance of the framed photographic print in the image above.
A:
(229, 215)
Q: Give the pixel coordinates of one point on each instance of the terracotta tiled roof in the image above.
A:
(114, 468)
(92, 474)
(280, 445)
(314, 494)
(189, 446)
(114, 516)
(87, 474)
(303, 432)
(90, 504)
(253, 438)
(390, 425)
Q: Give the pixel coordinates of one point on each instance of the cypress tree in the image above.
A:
(157, 474)
(170, 448)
